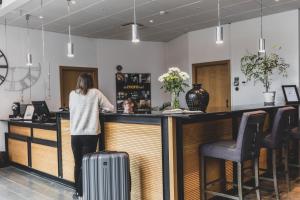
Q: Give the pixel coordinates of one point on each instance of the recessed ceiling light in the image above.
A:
(73, 2)
(151, 21)
(41, 17)
(277, 0)
(162, 12)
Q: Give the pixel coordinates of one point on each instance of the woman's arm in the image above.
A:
(104, 103)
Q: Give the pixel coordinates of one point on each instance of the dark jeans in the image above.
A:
(81, 145)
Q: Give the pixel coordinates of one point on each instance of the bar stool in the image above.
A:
(294, 135)
(245, 148)
(277, 139)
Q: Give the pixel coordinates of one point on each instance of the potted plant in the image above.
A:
(261, 67)
(174, 82)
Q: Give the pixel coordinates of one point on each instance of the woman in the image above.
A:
(84, 103)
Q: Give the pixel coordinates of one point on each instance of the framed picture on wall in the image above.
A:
(291, 94)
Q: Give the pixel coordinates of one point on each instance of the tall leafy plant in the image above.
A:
(261, 67)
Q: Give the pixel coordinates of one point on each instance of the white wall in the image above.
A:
(145, 57)
(86, 55)
(279, 29)
(177, 55)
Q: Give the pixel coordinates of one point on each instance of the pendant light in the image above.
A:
(29, 55)
(262, 40)
(43, 31)
(134, 27)
(219, 29)
(70, 45)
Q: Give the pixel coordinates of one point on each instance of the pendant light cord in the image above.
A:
(28, 35)
(5, 33)
(261, 19)
(134, 12)
(69, 28)
(219, 19)
(43, 31)
(28, 40)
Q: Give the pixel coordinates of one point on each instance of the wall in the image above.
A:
(107, 54)
(86, 55)
(177, 55)
(239, 38)
(145, 57)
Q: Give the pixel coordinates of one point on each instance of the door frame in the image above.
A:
(206, 64)
(72, 68)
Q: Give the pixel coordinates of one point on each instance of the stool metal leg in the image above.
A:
(256, 172)
(275, 174)
(286, 168)
(203, 178)
(240, 181)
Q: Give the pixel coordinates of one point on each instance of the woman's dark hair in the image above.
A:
(84, 83)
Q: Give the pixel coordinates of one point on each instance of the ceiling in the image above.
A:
(104, 18)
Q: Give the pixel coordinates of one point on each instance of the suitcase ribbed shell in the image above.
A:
(106, 176)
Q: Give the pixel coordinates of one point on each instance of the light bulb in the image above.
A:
(70, 50)
(29, 59)
(219, 35)
(262, 45)
(135, 34)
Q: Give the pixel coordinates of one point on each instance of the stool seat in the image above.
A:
(267, 142)
(294, 133)
(225, 149)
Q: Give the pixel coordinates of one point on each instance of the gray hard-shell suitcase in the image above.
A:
(106, 176)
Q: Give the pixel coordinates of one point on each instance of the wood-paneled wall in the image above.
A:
(144, 145)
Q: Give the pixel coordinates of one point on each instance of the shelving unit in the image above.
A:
(135, 86)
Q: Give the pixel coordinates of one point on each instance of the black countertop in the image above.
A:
(30, 123)
(212, 111)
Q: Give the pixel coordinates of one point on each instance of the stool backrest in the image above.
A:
(249, 135)
(282, 122)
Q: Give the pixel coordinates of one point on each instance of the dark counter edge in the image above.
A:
(220, 111)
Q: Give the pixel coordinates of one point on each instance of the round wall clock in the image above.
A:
(21, 78)
(3, 67)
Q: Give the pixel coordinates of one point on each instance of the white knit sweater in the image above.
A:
(84, 112)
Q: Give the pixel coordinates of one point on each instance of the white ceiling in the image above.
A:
(104, 18)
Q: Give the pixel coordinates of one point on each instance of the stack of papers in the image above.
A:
(180, 111)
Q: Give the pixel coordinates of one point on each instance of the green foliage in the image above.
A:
(261, 67)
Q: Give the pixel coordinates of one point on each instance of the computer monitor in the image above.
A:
(41, 108)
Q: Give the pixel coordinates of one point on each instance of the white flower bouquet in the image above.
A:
(174, 82)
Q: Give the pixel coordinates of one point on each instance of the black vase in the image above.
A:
(197, 98)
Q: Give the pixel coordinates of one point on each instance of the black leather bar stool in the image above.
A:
(277, 139)
(245, 148)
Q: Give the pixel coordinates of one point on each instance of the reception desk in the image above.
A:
(163, 149)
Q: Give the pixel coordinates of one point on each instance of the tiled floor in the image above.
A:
(18, 185)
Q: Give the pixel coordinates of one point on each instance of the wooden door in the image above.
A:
(215, 78)
(68, 80)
